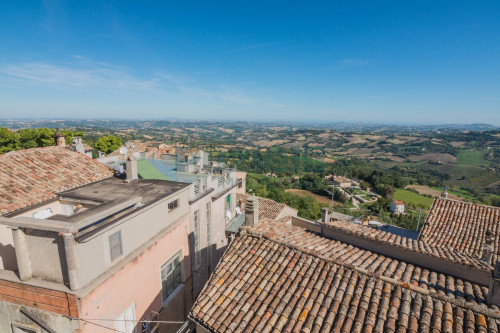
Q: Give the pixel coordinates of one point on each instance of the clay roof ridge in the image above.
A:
(468, 260)
(482, 308)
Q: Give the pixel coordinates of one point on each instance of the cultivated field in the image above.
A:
(413, 198)
(320, 199)
(421, 189)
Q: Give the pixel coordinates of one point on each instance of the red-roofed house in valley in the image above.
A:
(397, 207)
(81, 250)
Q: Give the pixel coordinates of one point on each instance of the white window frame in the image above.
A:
(128, 324)
(175, 202)
(167, 299)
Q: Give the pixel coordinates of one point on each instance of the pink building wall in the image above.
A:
(138, 283)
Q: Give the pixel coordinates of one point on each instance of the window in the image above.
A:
(43, 214)
(173, 205)
(209, 250)
(170, 275)
(115, 245)
(197, 253)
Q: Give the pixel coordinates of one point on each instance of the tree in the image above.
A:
(108, 143)
(364, 185)
(387, 191)
(8, 140)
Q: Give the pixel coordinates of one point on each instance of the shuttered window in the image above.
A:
(115, 245)
(170, 276)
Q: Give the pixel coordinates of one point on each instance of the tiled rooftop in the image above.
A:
(440, 252)
(461, 226)
(268, 209)
(372, 261)
(29, 177)
(311, 284)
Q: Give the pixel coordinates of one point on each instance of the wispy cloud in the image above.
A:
(252, 47)
(191, 87)
(353, 62)
(97, 75)
(82, 73)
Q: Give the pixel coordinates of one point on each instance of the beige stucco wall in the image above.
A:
(47, 255)
(139, 283)
(8, 259)
(93, 255)
(7, 252)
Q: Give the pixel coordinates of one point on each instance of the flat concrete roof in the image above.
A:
(113, 198)
(115, 188)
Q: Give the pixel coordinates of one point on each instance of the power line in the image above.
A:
(139, 321)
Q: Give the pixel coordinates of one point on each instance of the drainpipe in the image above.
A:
(69, 248)
(22, 254)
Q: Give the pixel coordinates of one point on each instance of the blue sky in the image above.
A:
(370, 61)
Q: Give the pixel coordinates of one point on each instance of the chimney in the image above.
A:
(131, 166)
(77, 144)
(324, 215)
(252, 211)
(493, 296)
(489, 247)
(59, 139)
(444, 194)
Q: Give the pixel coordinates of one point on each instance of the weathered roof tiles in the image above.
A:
(32, 176)
(262, 285)
(461, 226)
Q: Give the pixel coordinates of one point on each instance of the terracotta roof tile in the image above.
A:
(269, 285)
(461, 226)
(31, 176)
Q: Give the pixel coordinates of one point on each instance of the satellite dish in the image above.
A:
(123, 150)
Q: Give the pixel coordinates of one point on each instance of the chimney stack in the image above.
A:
(131, 165)
(59, 139)
(489, 247)
(324, 215)
(252, 211)
(444, 194)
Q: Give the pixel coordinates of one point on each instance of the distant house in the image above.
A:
(397, 207)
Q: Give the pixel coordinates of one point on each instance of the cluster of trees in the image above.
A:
(272, 188)
(108, 143)
(31, 138)
(44, 137)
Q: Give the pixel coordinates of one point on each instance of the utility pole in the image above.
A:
(418, 221)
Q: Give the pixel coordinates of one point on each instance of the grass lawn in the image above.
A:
(416, 199)
(472, 157)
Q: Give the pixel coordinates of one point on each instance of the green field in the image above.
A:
(410, 197)
(472, 157)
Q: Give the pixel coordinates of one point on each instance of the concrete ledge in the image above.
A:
(306, 224)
